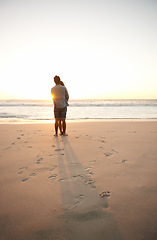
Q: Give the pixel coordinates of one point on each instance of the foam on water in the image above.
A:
(40, 110)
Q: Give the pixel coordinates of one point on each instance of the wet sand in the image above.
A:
(100, 182)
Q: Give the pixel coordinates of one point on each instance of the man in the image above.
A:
(60, 97)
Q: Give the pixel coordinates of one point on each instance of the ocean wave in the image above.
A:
(78, 104)
(87, 109)
(13, 116)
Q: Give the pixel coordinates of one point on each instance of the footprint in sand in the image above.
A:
(104, 196)
(108, 154)
(32, 174)
(39, 161)
(88, 170)
(25, 179)
(78, 176)
(50, 155)
(59, 149)
(90, 182)
(22, 169)
(90, 173)
(7, 148)
(61, 179)
(54, 176)
(123, 161)
(92, 161)
(52, 169)
(114, 151)
(79, 200)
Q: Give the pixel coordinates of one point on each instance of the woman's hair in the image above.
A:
(62, 83)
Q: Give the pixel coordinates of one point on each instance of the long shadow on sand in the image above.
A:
(86, 215)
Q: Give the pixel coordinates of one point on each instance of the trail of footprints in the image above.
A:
(21, 136)
(23, 170)
(88, 170)
(86, 177)
(19, 139)
(110, 154)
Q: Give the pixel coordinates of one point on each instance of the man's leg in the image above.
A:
(56, 126)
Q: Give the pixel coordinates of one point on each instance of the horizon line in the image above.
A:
(76, 99)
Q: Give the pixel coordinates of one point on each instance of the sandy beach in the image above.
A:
(98, 183)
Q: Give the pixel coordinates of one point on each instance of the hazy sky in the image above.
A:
(99, 48)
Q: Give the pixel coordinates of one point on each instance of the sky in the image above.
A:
(101, 49)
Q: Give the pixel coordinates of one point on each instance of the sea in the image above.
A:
(26, 111)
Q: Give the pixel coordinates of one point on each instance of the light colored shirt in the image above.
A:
(60, 96)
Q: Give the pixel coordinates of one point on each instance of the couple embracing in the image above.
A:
(60, 98)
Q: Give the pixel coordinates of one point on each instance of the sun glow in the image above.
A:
(52, 96)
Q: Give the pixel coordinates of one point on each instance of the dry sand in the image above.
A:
(98, 183)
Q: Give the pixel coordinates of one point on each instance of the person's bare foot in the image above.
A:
(55, 135)
(65, 134)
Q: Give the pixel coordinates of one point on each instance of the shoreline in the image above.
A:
(81, 120)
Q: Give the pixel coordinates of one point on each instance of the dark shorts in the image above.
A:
(60, 113)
